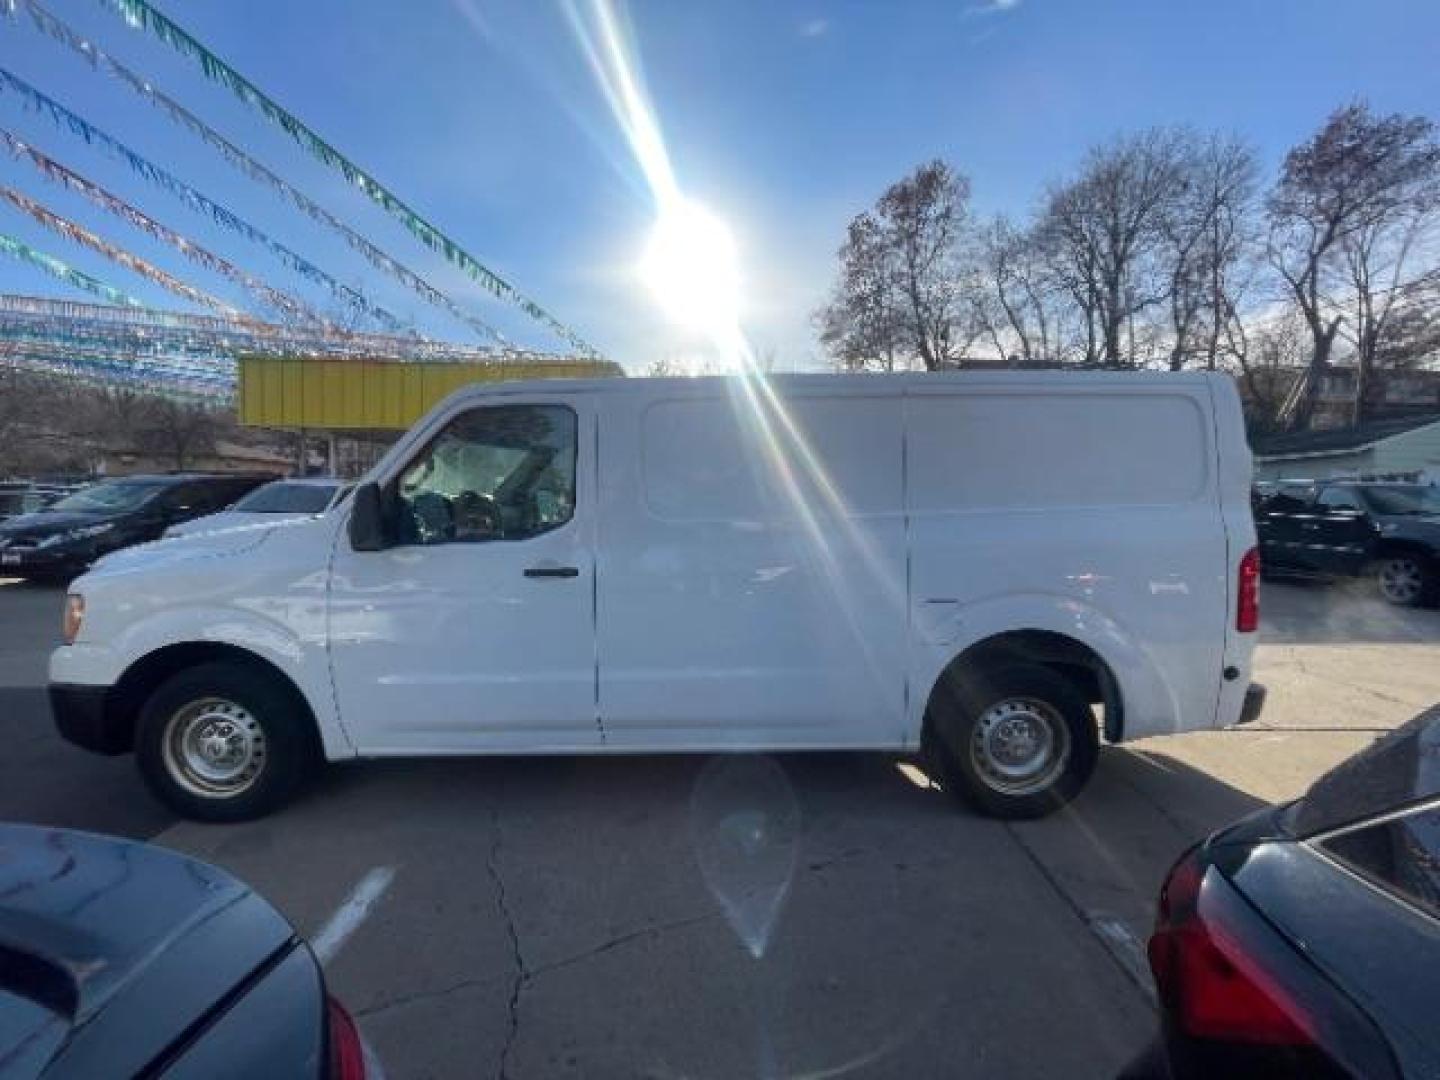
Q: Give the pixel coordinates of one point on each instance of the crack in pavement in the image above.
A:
(615, 942)
(1159, 807)
(419, 995)
(529, 974)
(522, 975)
(1087, 919)
(1291, 729)
(1305, 669)
(825, 864)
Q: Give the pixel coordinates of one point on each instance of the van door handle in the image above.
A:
(552, 571)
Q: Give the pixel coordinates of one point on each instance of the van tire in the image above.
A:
(222, 741)
(1020, 706)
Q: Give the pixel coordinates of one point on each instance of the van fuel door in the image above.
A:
(937, 621)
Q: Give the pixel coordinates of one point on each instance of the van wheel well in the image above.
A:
(141, 679)
(1073, 660)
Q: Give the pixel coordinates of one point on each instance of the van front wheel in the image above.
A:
(221, 742)
(1017, 742)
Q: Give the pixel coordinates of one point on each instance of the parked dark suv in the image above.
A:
(64, 538)
(1346, 527)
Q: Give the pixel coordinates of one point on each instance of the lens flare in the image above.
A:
(690, 266)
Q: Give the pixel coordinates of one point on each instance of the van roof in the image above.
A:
(848, 382)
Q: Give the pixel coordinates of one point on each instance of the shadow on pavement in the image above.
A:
(880, 784)
(46, 781)
(1309, 611)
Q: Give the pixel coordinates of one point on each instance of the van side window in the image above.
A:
(504, 472)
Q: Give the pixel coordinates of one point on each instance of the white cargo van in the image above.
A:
(994, 568)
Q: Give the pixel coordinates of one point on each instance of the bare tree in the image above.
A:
(1208, 229)
(1108, 226)
(1410, 334)
(1268, 354)
(1344, 218)
(1021, 307)
(906, 272)
(12, 407)
(863, 325)
(179, 430)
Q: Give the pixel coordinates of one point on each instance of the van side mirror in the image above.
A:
(367, 527)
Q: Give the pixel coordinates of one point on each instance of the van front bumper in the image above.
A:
(82, 718)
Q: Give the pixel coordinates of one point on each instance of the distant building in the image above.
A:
(1393, 395)
(224, 456)
(1400, 446)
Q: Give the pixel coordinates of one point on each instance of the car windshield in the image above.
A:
(1408, 500)
(110, 496)
(287, 498)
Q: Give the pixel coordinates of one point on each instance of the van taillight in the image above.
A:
(1247, 597)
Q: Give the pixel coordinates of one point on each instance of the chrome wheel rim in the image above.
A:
(1020, 746)
(1400, 580)
(214, 748)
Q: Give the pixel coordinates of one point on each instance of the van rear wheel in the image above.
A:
(221, 742)
(1016, 742)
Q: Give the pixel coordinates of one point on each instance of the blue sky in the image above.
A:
(785, 118)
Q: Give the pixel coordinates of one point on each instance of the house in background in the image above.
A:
(1391, 396)
(223, 456)
(1400, 446)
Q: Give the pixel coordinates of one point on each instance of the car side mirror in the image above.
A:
(367, 527)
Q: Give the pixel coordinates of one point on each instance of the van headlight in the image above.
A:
(69, 536)
(74, 617)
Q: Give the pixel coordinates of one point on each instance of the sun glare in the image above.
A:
(690, 266)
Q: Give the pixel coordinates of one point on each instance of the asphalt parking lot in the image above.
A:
(578, 917)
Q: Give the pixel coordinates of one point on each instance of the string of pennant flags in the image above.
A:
(78, 234)
(145, 346)
(246, 164)
(140, 14)
(66, 120)
(134, 326)
(123, 340)
(57, 268)
(104, 369)
(25, 349)
(269, 296)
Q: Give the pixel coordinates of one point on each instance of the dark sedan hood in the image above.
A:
(47, 522)
(100, 935)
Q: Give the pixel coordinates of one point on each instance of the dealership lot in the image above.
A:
(536, 917)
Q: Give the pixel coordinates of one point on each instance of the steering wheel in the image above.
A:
(477, 516)
(433, 517)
